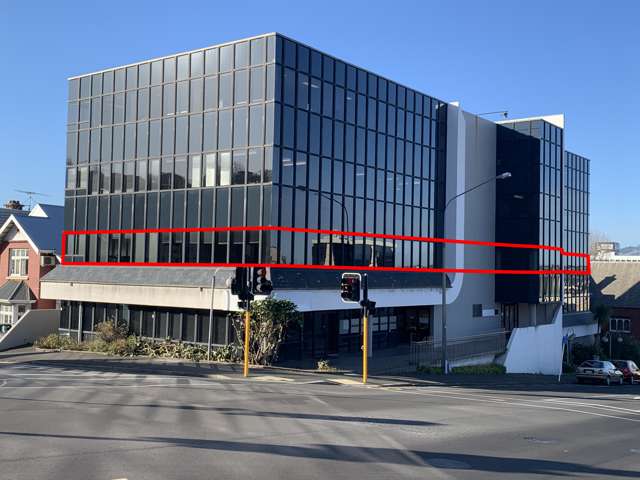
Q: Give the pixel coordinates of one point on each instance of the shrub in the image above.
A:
(227, 353)
(325, 366)
(110, 331)
(54, 341)
(429, 370)
(488, 369)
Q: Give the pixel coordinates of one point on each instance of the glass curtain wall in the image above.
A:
(354, 152)
(178, 142)
(576, 230)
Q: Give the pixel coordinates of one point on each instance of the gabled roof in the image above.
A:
(42, 227)
(7, 212)
(15, 291)
(616, 284)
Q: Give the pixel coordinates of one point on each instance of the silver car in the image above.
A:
(599, 370)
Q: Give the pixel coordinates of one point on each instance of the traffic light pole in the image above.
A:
(247, 326)
(365, 328)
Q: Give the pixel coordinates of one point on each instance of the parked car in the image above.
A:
(600, 371)
(629, 369)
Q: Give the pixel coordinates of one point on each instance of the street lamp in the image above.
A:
(502, 176)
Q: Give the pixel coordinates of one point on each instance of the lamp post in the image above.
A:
(502, 176)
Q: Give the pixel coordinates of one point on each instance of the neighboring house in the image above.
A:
(617, 285)
(29, 248)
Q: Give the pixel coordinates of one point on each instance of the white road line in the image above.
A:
(271, 378)
(519, 404)
(4, 382)
(594, 405)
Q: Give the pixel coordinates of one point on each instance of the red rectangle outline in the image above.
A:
(329, 267)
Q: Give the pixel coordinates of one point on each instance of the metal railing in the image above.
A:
(428, 353)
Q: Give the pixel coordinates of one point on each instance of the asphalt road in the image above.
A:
(65, 423)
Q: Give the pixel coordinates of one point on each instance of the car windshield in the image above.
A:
(620, 364)
(607, 365)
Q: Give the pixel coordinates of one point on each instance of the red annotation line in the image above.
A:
(273, 228)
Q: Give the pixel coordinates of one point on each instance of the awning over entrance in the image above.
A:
(16, 291)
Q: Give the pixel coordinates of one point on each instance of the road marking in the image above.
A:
(344, 381)
(594, 405)
(518, 404)
(217, 376)
(271, 378)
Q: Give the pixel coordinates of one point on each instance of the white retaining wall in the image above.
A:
(33, 325)
(536, 349)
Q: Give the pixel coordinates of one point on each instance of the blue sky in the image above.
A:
(581, 58)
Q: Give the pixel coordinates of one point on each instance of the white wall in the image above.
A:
(536, 349)
(33, 325)
(471, 155)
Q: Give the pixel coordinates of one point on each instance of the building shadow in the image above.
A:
(348, 453)
(244, 412)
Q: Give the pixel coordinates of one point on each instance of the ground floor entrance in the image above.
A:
(322, 335)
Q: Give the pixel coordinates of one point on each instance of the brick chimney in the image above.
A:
(14, 205)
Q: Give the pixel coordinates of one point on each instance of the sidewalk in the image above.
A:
(162, 366)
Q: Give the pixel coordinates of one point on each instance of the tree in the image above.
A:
(602, 315)
(269, 321)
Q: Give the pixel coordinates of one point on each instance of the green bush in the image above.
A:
(109, 331)
(227, 353)
(54, 341)
(325, 366)
(429, 370)
(488, 369)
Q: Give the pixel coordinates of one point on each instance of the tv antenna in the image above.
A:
(30, 194)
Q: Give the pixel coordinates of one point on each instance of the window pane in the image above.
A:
(210, 93)
(255, 165)
(224, 129)
(226, 58)
(239, 167)
(242, 87)
(224, 168)
(240, 123)
(256, 128)
(226, 90)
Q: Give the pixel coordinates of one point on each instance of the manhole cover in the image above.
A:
(447, 463)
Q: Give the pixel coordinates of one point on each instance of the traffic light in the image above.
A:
(350, 287)
(260, 284)
(239, 284)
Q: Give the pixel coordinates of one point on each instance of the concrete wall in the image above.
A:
(33, 325)
(536, 349)
(471, 159)
(179, 297)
